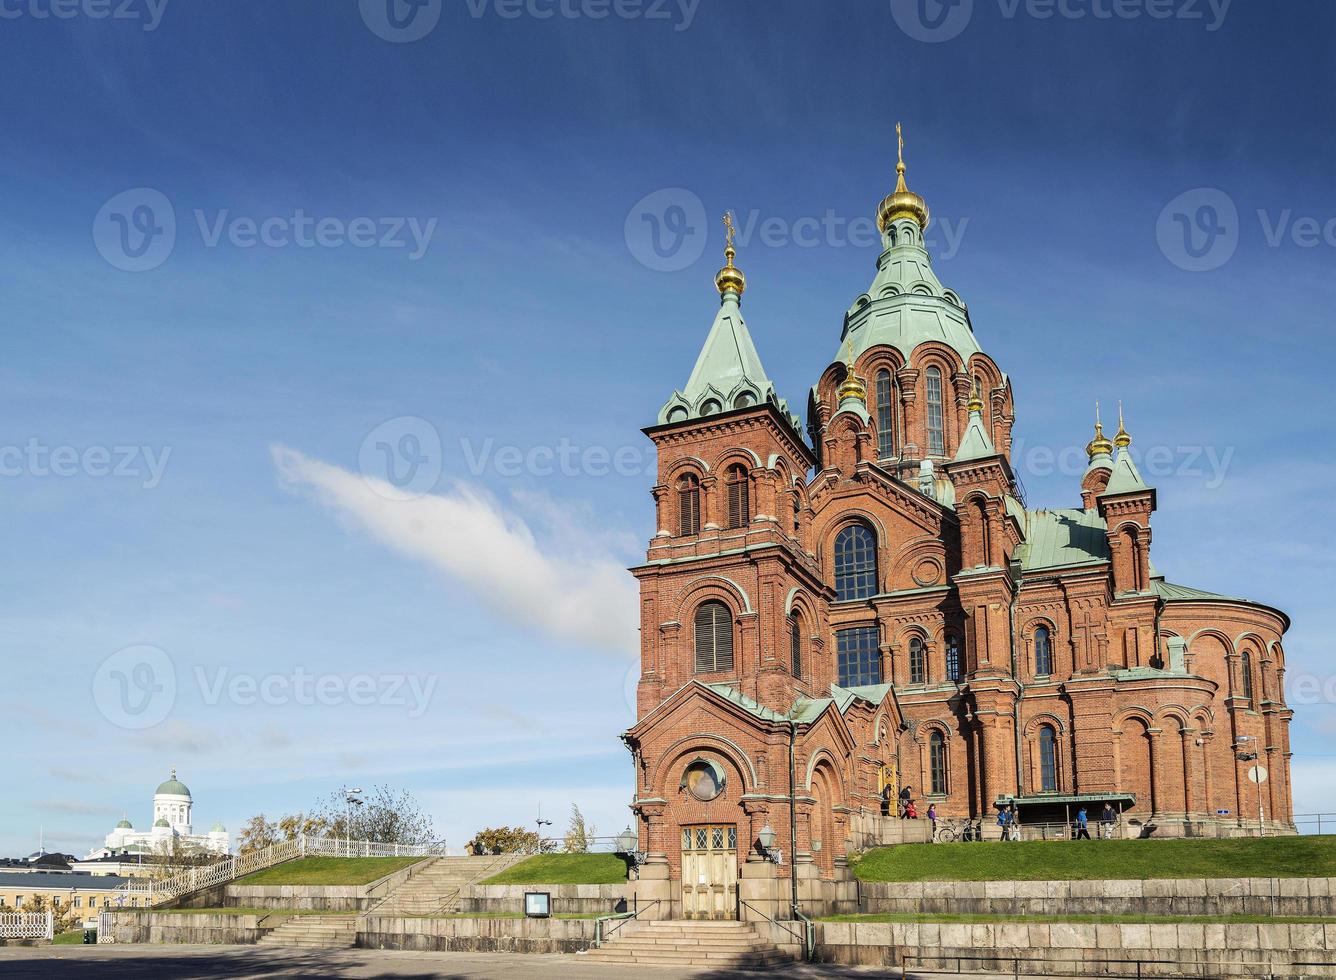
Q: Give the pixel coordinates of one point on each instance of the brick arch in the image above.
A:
(692, 464)
(715, 587)
(737, 454)
(664, 770)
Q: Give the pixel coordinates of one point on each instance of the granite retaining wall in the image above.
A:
(477, 935)
(566, 899)
(1152, 897)
(1074, 949)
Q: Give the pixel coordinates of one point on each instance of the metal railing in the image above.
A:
(26, 925)
(1315, 823)
(193, 879)
(621, 918)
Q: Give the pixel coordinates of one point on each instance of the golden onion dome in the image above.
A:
(902, 203)
(1121, 439)
(730, 277)
(852, 386)
(976, 399)
(1100, 445)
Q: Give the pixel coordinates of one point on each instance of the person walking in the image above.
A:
(905, 796)
(1106, 821)
(1082, 827)
(1004, 822)
(932, 818)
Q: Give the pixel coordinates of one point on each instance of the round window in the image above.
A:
(703, 780)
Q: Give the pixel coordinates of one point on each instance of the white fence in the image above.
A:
(139, 892)
(26, 925)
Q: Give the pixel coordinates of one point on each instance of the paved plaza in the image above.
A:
(172, 962)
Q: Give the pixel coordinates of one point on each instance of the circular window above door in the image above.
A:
(704, 780)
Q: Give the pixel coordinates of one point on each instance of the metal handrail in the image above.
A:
(625, 917)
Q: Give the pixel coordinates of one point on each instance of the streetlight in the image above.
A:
(766, 840)
(628, 844)
(351, 798)
(1256, 775)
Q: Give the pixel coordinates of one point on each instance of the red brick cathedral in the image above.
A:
(870, 604)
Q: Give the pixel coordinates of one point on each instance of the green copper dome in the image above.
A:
(161, 821)
(172, 787)
(218, 828)
(124, 824)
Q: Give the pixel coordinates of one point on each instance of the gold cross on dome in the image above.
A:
(729, 230)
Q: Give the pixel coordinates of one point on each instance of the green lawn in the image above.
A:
(564, 869)
(328, 871)
(1084, 919)
(1270, 857)
(70, 937)
(246, 911)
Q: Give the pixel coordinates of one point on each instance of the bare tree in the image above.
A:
(579, 837)
(386, 816)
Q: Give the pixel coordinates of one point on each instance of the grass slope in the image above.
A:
(1271, 857)
(328, 871)
(70, 937)
(564, 869)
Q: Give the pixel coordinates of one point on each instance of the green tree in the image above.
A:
(510, 840)
(579, 837)
(256, 834)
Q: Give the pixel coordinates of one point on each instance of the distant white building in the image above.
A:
(172, 804)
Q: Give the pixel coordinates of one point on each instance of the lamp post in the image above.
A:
(766, 840)
(351, 798)
(628, 844)
(1256, 776)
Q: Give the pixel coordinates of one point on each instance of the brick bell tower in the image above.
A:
(731, 460)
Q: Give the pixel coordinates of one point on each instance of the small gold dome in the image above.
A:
(976, 399)
(730, 277)
(1121, 439)
(1100, 445)
(852, 386)
(902, 203)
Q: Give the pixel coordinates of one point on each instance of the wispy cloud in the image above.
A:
(75, 806)
(585, 596)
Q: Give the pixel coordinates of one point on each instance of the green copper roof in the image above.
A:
(1181, 593)
(124, 824)
(161, 822)
(875, 693)
(1100, 461)
(218, 828)
(1054, 538)
(728, 374)
(807, 710)
(976, 444)
(742, 701)
(172, 787)
(1126, 477)
(907, 305)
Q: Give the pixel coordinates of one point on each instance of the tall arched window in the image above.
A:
(885, 415)
(855, 563)
(936, 439)
(795, 644)
(952, 658)
(1245, 666)
(714, 638)
(1048, 759)
(937, 763)
(918, 673)
(1043, 652)
(688, 505)
(739, 497)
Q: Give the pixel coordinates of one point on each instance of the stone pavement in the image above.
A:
(133, 962)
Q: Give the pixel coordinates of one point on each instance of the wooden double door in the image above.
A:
(710, 871)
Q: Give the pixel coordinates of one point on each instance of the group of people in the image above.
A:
(906, 809)
(1009, 820)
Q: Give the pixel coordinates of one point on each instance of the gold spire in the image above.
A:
(976, 398)
(730, 277)
(1100, 445)
(852, 386)
(1121, 439)
(903, 203)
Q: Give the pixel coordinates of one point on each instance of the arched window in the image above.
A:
(918, 673)
(937, 762)
(739, 497)
(952, 658)
(714, 638)
(1048, 759)
(885, 416)
(797, 512)
(1043, 652)
(859, 655)
(1245, 666)
(795, 645)
(936, 440)
(688, 505)
(855, 563)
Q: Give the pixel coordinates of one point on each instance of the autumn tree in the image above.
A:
(385, 816)
(256, 834)
(510, 840)
(579, 837)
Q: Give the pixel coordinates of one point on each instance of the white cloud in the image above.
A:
(583, 596)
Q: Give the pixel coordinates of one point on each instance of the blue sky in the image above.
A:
(222, 418)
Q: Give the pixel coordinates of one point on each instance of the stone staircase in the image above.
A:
(434, 890)
(673, 942)
(314, 932)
